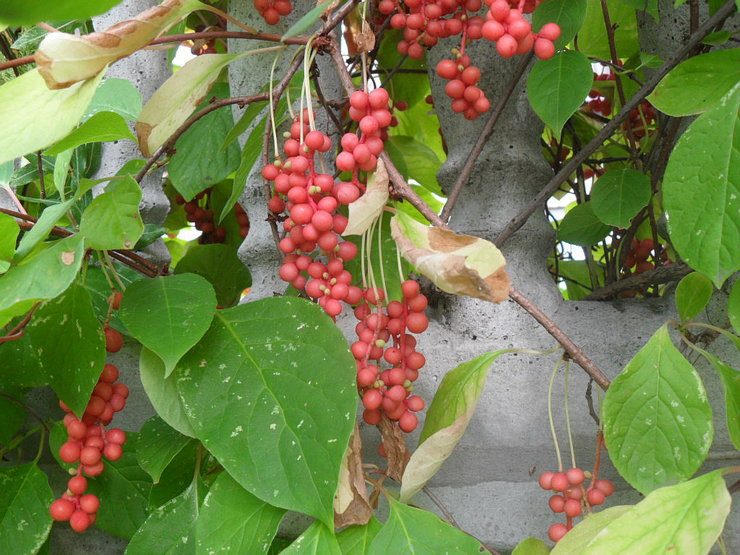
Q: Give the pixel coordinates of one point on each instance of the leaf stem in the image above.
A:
(567, 414)
(549, 414)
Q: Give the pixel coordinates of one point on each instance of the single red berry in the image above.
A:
(557, 531)
(575, 476)
(604, 486)
(113, 340)
(110, 374)
(595, 497)
(557, 503)
(89, 503)
(546, 480)
(572, 508)
(559, 482)
(69, 452)
(61, 509)
(79, 521)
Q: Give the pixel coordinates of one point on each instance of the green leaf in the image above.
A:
(419, 161)
(61, 169)
(592, 37)
(112, 220)
(307, 21)
(158, 444)
(731, 383)
(576, 540)
(249, 115)
(12, 414)
(183, 307)
(568, 14)
(39, 116)
(556, 87)
(411, 530)
(531, 546)
(649, 6)
(199, 161)
(167, 530)
(316, 540)
(43, 276)
(177, 476)
(9, 231)
(657, 420)
(151, 233)
(685, 518)
(701, 191)
(355, 540)
(698, 84)
(233, 520)
(250, 154)
(582, 227)
(162, 392)
(221, 267)
(123, 490)
(18, 12)
(446, 421)
(116, 95)
(718, 38)
(25, 497)
(49, 218)
(102, 127)
(270, 390)
(733, 307)
(692, 295)
(618, 196)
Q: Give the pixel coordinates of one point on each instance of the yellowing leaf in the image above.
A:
(459, 264)
(64, 59)
(368, 208)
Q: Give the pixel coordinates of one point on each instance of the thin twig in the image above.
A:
(661, 274)
(17, 331)
(539, 200)
(485, 134)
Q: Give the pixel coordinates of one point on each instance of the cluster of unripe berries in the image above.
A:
(572, 496)
(202, 217)
(424, 22)
(272, 10)
(382, 337)
(88, 441)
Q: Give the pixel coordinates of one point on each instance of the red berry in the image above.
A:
(115, 300)
(557, 531)
(113, 340)
(89, 456)
(595, 497)
(76, 429)
(89, 503)
(572, 508)
(546, 480)
(112, 451)
(79, 521)
(61, 509)
(408, 422)
(110, 374)
(575, 476)
(77, 484)
(69, 452)
(557, 503)
(559, 482)
(604, 486)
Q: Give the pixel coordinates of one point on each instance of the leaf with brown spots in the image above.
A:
(394, 444)
(351, 503)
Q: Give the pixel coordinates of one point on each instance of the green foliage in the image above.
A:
(316, 540)
(158, 445)
(692, 295)
(568, 14)
(102, 127)
(9, 231)
(619, 195)
(18, 12)
(221, 267)
(25, 497)
(355, 540)
(116, 95)
(581, 226)
(112, 220)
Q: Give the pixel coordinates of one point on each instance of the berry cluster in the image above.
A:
(272, 10)
(389, 391)
(427, 21)
(640, 118)
(597, 102)
(572, 496)
(360, 151)
(197, 211)
(88, 441)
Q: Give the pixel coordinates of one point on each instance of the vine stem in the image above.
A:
(558, 179)
(549, 414)
(567, 415)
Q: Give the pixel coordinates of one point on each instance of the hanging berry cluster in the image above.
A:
(382, 336)
(201, 215)
(424, 22)
(272, 10)
(88, 441)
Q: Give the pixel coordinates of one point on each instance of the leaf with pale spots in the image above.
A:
(182, 306)
(62, 346)
(112, 220)
(233, 520)
(25, 497)
(158, 444)
(657, 420)
(369, 207)
(447, 419)
(458, 264)
(270, 390)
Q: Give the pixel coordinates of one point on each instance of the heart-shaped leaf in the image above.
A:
(221, 267)
(112, 220)
(582, 227)
(618, 196)
(692, 295)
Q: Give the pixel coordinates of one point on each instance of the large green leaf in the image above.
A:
(12, 411)
(39, 116)
(270, 390)
(25, 497)
(316, 540)
(9, 231)
(123, 490)
(582, 227)
(250, 154)
(102, 127)
(411, 530)
(158, 444)
(685, 518)
(419, 162)
(568, 14)
(657, 420)
(446, 421)
(221, 267)
(19, 12)
(557, 87)
(116, 95)
(177, 476)
(592, 38)
(618, 195)
(183, 307)
(531, 546)
(692, 295)
(233, 520)
(112, 220)
(698, 84)
(162, 392)
(49, 218)
(167, 530)
(701, 191)
(585, 531)
(355, 540)
(649, 6)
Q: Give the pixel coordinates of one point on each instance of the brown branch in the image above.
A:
(541, 198)
(208, 35)
(661, 274)
(17, 331)
(485, 134)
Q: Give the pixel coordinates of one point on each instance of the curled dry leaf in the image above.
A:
(358, 34)
(64, 59)
(369, 207)
(351, 503)
(395, 448)
(459, 264)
